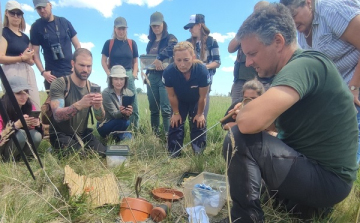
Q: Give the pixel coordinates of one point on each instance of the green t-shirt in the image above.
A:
(322, 125)
(79, 122)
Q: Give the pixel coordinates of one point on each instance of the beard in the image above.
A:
(80, 74)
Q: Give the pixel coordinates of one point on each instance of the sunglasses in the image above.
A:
(18, 14)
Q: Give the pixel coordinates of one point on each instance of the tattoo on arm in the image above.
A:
(62, 113)
(99, 114)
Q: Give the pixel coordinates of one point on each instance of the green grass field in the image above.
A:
(46, 199)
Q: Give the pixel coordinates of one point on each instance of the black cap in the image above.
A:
(195, 19)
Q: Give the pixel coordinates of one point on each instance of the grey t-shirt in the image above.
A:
(79, 122)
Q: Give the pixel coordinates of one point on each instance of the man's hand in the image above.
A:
(235, 110)
(85, 102)
(200, 119)
(96, 100)
(158, 65)
(48, 76)
(175, 120)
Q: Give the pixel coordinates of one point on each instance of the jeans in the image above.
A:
(301, 183)
(134, 118)
(176, 134)
(158, 101)
(9, 150)
(113, 126)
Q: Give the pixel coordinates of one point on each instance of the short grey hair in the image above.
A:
(267, 22)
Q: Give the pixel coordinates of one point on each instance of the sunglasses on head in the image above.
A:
(18, 14)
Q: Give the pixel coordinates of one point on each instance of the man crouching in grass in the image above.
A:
(311, 165)
(71, 113)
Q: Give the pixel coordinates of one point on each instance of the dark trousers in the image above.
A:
(62, 141)
(294, 178)
(47, 84)
(176, 134)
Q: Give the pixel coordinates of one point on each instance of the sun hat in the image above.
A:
(120, 22)
(18, 84)
(118, 71)
(195, 19)
(40, 3)
(11, 5)
(156, 19)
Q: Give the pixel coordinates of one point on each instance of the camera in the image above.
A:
(57, 51)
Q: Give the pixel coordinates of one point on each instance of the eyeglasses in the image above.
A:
(18, 14)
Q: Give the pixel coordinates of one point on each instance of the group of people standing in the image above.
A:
(308, 104)
(65, 81)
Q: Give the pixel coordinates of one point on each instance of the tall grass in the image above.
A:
(46, 199)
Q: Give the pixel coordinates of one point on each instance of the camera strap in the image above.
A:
(56, 20)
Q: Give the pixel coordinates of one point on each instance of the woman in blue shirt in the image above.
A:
(187, 84)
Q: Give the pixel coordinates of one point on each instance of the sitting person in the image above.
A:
(8, 151)
(250, 90)
(70, 114)
(187, 84)
(311, 164)
(117, 102)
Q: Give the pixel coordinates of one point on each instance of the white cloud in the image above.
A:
(221, 38)
(142, 37)
(27, 29)
(106, 9)
(233, 56)
(227, 69)
(27, 8)
(87, 45)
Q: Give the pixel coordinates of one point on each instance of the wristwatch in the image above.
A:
(353, 88)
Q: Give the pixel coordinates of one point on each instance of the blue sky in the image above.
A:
(94, 19)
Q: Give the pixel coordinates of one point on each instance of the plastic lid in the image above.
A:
(117, 150)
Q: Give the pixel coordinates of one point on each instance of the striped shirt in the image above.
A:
(331, 18)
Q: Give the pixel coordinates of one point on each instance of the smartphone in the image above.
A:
(34, 114)
(127, 100)
(95, 89)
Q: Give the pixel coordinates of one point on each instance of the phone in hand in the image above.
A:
(34, 114)
(95, 89)
(127, 100)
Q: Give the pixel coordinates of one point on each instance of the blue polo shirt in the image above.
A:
(186, 90)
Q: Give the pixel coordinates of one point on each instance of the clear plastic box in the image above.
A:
(146, 61)
(213, 200)
(116, 155)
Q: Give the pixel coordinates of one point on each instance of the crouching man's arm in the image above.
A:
(97, 103)
(62, 113)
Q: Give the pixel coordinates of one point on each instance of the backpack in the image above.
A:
(46, 112)
(111, 46)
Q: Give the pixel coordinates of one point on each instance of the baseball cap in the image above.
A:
(11, 5)
(118, 71)
(18, 84)
(195, 19)
(156, 19)
(40, 3)
(120, 22)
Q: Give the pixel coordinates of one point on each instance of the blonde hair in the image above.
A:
(185, 45)
(254, 85)
(22, 25)
(204, 33)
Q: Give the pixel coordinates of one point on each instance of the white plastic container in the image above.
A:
(213, 200)
(116, 155)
